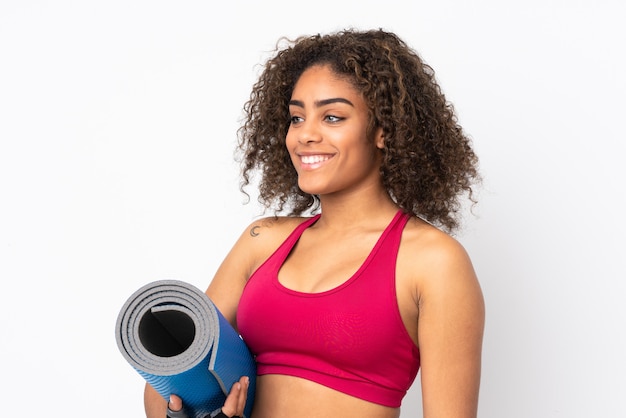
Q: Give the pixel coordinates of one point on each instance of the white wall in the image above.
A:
(117, 125)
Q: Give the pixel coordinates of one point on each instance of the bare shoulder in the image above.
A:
(430, 258)
(274, 226)
(255, 244)
(428, 243)
(263, 236)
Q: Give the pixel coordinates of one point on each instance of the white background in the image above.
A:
(117, 130)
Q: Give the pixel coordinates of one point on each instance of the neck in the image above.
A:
(351, 211)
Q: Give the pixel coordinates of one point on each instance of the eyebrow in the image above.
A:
(320, 103)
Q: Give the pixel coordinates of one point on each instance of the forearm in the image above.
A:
(155, 405)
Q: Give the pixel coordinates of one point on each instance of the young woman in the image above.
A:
(343, 301)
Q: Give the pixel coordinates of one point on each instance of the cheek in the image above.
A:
(290, 144)
(289, 139)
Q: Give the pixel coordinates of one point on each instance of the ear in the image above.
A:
(379, 138)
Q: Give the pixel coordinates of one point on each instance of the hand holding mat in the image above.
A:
(179, 342)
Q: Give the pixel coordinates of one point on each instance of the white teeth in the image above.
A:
(314, 159)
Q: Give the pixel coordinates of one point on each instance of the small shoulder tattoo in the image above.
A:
(254, 231)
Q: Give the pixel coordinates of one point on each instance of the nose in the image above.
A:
(309, 133)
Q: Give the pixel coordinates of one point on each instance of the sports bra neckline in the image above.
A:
(289, 244)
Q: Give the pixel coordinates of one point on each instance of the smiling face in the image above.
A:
(328, 138)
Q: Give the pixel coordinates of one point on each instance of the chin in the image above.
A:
(313, 189)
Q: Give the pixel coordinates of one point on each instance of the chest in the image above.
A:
(358, 315)
(318, 263)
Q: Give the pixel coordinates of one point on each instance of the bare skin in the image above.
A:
(438, 294)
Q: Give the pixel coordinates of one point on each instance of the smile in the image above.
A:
(314, 159)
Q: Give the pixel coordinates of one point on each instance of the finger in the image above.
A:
(243, 395)
(231, 405)
(175, 404)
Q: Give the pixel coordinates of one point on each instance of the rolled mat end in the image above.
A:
(179, 342)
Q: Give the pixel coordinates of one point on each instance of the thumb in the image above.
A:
(175, 404)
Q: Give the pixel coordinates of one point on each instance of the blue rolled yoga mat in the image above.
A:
(179, 342)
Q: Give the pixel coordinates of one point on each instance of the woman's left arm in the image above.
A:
(450, 331)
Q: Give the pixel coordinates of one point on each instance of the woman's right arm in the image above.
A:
(254, 245)
(154, 404)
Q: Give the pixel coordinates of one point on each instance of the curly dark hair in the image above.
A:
(428, 161)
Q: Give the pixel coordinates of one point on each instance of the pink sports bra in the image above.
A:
(350, 338)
